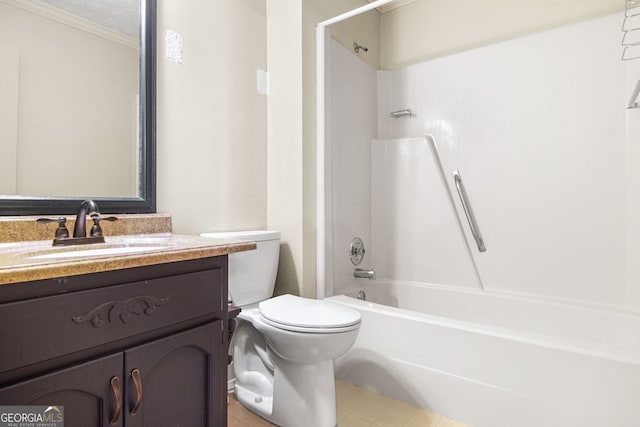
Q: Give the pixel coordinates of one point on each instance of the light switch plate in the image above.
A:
(262, 79)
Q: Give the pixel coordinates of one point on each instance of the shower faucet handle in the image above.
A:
(356, 251)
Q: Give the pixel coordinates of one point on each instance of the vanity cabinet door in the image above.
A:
(90, 392)
(179, 380)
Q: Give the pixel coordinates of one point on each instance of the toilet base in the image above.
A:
(258, 404)
(305, 395)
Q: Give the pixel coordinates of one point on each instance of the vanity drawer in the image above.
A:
(39, 329)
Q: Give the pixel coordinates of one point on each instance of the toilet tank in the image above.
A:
(252, 274)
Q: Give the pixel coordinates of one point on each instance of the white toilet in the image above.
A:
(283, 347)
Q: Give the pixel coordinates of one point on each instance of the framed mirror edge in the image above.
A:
(146, 201)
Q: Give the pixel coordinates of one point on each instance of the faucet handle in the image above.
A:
(96, 230)
(61, 231)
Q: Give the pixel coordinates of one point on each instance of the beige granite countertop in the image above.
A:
(23, 261)
(25, 228)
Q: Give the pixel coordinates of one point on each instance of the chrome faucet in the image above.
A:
(88, 207)
(361, 273)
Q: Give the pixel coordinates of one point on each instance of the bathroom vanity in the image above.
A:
(123, 338)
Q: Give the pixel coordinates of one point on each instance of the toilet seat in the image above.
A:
(299, 314)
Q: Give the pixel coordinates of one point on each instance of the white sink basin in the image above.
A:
(91, 252)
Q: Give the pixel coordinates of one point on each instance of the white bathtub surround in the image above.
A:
(494, 360)
(537, 127)
(542, 148)
(545, 330)
(416, 233)
(352, 113)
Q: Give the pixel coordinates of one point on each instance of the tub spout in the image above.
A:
(364, 274)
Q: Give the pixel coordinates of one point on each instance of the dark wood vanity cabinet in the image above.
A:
(139, 347)
(177, 374)
(82, 390)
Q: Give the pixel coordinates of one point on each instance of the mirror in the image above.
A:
(77, 115)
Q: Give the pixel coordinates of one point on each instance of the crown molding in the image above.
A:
(74, 21)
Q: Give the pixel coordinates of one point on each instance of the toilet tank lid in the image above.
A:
(253, 235)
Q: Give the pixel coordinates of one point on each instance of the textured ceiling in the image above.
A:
(119, 15)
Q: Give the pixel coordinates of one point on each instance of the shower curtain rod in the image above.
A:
(354, 12)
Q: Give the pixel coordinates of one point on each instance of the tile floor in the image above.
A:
(357, 407)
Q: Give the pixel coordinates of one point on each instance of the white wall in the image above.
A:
(212, 124)
(537, 128)
(285, 152)
(216, 171)
(430, 28)
(9, 102)
(291, 164)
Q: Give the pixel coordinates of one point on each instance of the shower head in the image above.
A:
(358, 47)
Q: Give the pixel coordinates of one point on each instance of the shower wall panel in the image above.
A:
(352, 120)
(415, 233)
(537, 128)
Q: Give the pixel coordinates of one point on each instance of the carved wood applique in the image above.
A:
(123, 310)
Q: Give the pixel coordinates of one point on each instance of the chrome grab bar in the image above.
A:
(471, 219)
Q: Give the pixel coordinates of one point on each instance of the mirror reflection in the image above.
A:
(69, 114)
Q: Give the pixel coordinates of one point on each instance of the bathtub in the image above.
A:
(495, 360)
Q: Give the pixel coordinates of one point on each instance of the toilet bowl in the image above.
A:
(284, 365)
(283, 347)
